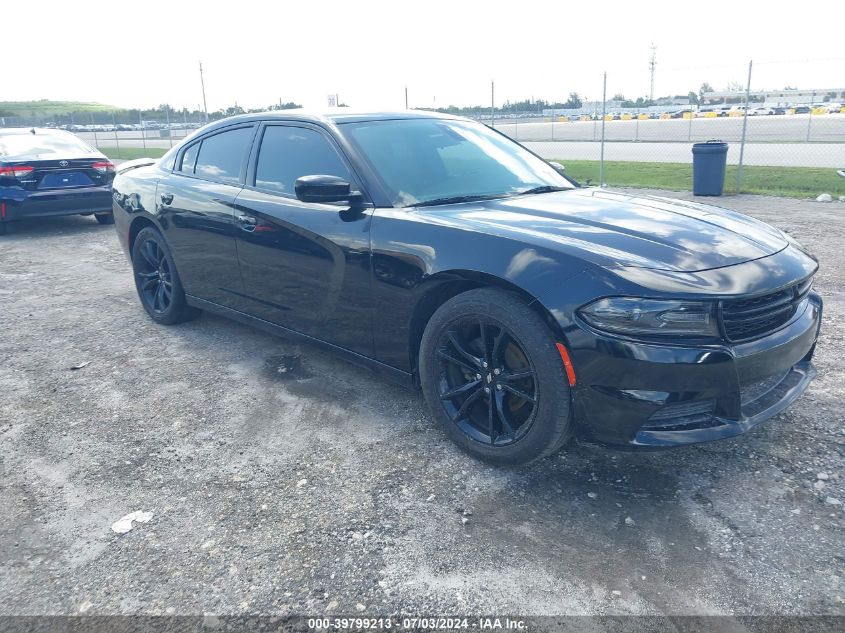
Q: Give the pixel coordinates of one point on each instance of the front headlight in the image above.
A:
(652, 317)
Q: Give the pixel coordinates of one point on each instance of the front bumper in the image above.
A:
(20, 203)
(649, 395)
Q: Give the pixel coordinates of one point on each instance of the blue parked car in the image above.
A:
(46, 172)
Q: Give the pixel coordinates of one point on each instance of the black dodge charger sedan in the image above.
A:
(442, 254)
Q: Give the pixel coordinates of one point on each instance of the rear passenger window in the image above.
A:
(221, 156)
(288, 153)
(189, 159)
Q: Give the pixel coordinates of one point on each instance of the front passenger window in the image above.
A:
(288, 153)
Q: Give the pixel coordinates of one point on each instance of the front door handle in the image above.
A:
(247, 222)
(166, 198)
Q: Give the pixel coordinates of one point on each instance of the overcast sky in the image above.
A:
(143, 53)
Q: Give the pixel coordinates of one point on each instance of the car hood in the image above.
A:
(616, 229)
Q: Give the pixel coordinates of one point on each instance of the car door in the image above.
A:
(305, 266)
(195, 206)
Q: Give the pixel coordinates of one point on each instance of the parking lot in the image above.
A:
(282, 480)
(798, 128)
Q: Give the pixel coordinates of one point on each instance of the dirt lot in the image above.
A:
(283, 480)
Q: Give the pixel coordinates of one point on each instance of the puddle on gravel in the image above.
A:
(286, 367)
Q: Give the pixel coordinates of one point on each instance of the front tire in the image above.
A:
(494, 379)
(157, 280)
(104, 218)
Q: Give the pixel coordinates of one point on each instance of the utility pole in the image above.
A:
(204, 105)
(406, 97)
(603, 117)
(652, 63)
(492, 103)
(744, 128)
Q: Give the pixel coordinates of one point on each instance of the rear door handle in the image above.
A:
(247, 222)
(166, 198)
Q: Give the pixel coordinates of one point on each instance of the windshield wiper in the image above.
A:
(458, 199)
(543, 189)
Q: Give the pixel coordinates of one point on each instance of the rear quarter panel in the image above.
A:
(134, 196)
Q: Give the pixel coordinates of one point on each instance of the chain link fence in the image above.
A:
(122, 135)
(781, 140)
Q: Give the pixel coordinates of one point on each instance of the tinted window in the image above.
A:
(288, 153)
(421, 160)
(222, 155)
(42, 143)
(189, 158)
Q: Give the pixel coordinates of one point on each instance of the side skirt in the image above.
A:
(398, 376)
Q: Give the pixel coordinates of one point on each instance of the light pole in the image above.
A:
(204, 105)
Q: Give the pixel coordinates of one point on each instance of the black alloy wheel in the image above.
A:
(492, 376)
(487, 384)
(153, 276)
(157, 279)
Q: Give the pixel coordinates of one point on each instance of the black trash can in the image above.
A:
(708, 168)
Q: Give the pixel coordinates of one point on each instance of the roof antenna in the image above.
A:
(32, 131)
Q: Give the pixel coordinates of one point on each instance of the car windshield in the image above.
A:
(430, 160)
(27, 144)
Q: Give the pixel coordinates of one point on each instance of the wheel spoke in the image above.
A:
(500, 410)
(522, 374)
(461, 412)
(456, 361)
(462, 390)
(518, 393)
(159, 254)
(485, 350)
(453, 339)
(151, 275)
(148, 251)
(158, 300)
(149, 283)
(498, 342)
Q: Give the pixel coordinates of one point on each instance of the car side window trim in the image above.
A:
(249, 183)
(244, 163)
(181, 158)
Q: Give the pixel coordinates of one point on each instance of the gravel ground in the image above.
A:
(282, 480)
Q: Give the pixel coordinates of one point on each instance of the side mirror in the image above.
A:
(321, 188)
(558, 167)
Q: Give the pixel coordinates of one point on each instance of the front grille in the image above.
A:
(745, 319)
(750, 392)
(683, 416)
(770, 392)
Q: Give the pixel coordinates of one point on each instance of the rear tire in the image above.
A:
(157, 280)
(104, 218)
(519, 410)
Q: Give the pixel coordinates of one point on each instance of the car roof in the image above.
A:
(332, 116)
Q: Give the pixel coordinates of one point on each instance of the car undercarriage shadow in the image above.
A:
(53, 226)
